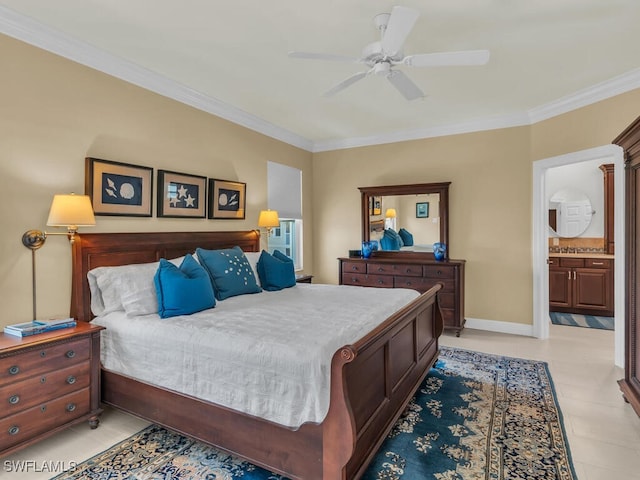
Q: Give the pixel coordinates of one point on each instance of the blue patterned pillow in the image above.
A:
(182, 290)
(407, 238)
(276, 271)
(230, 271)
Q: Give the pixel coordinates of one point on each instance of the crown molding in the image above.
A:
(34, 33)
(601, 91)
(39, 35)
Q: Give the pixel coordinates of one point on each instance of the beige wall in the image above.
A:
(490, 197)
(54, 113)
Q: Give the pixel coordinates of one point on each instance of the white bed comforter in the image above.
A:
(267, 354)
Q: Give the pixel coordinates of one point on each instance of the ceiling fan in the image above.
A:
(381, 57)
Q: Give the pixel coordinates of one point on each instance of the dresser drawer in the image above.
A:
(354, 267)
(384, 281)
(41, 360)
(423, 284)
(394, 269)
(598, 263)
(44, 417)
(35, 390)
(438, 271)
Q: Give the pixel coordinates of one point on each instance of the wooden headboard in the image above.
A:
(110, 249)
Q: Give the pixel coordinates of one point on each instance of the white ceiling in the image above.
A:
(230, 58)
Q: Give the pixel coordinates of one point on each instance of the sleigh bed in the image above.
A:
(371, 380)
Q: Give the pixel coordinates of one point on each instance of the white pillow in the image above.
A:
(126, 287)
(253, 258)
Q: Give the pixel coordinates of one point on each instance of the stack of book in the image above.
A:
(38, 326)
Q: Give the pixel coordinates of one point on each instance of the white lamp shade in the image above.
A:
(71, 210)
(390, 213)
(268, 219)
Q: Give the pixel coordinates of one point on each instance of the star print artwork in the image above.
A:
(121, 189)
(183, 195)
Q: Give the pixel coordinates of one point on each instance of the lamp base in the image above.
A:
(33, 239)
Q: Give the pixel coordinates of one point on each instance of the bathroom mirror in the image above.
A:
(570, 212)
(421, 209)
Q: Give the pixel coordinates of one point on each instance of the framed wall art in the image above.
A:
(226, 199)
(118, 188)
(422, 210)
(181, 195)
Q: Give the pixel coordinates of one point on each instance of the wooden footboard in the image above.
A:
(371, 381)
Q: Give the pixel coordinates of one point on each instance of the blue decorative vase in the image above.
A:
(366, 249)
(439, 251)
(374, 245)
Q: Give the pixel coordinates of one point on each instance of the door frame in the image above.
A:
(540, 242)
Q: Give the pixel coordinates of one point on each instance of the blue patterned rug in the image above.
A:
(577, 320)
(476, 416)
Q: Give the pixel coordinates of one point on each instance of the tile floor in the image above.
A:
(603, 431)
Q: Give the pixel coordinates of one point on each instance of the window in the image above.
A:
(285, 196)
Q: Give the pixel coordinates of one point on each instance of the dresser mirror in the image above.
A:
(570, 212)
(420, 209)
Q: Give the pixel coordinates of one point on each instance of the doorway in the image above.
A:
(608, 154)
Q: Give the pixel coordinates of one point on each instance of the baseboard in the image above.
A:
(501, 327)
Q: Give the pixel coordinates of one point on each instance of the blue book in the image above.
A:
(38, 326)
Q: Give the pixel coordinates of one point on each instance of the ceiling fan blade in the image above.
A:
(323, 56)
(345, 83)
(448, 59)
(405, 85)
(401, 22)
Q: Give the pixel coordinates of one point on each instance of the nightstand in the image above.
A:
(48, 382)
(303, 278)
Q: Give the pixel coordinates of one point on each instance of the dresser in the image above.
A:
(48, 382)
(418, 274)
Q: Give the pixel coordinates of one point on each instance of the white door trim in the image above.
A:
(540, 242)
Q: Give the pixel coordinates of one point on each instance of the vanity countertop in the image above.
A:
(583, 255)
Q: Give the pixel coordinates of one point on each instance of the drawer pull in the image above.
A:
(355, 267)
(43, 408)
(43, 379)
(14, 430)
(380, 281)
(43, 353)
(14, 370)
(439, 272)
(380, 269)
(71, 379)
(597, 263)
(70, 354)
(71, 407)
(408, 284)
(14, 399)
(354, 280)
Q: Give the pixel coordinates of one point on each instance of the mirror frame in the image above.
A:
(413, 189)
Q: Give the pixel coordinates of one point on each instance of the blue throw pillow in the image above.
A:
(182, 290)
(276, 271)
(407, 238)
(390, 240)
(230, 271)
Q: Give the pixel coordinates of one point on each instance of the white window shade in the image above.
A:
(285, 190)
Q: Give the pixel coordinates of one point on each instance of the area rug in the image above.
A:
(576, 320)
(476, 416)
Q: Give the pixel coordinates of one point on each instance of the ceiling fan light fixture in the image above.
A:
(382, 68)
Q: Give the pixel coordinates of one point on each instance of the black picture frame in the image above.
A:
(227, 199)
(422, 209)
(181, 195)
(118, 189)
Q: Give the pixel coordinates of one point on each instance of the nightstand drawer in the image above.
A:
(44, 417)
(41, 360)
(42, 388)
